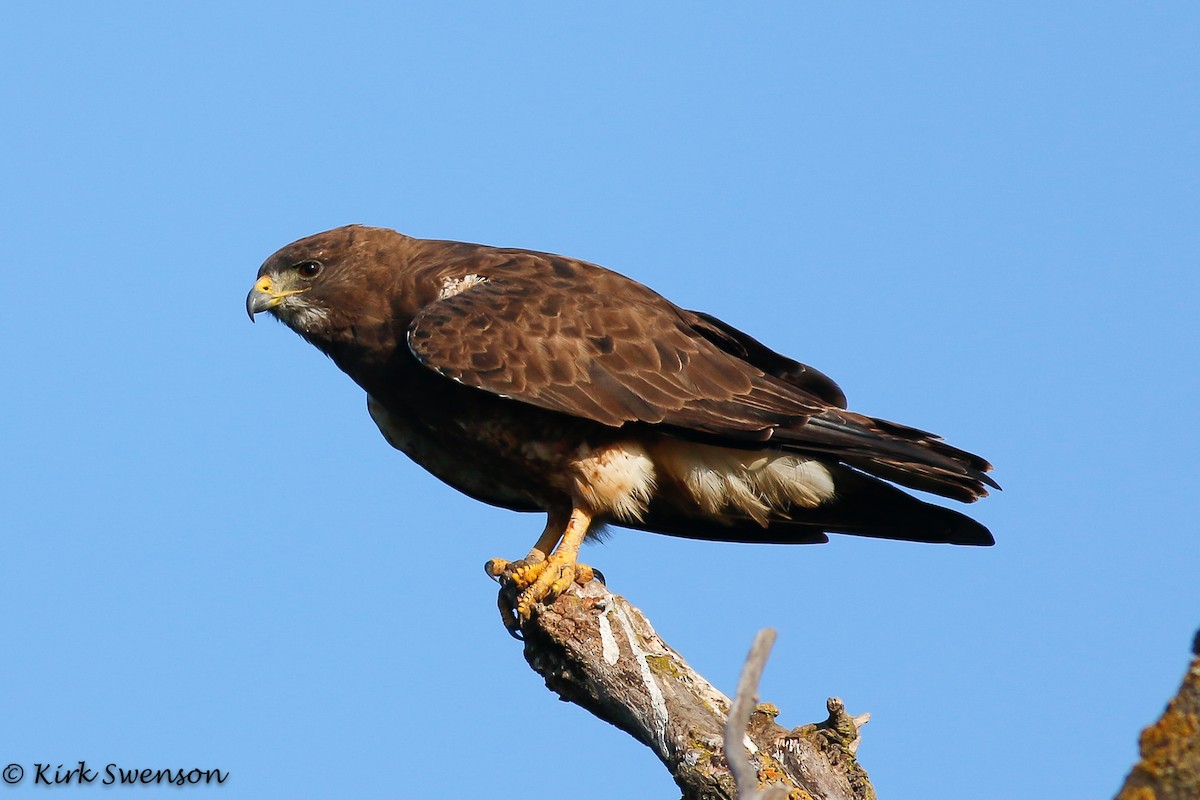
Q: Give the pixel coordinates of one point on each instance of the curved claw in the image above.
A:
(496, 567)
(508, 616)
(521, 573)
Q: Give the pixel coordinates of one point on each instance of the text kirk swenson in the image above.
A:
(111, 775)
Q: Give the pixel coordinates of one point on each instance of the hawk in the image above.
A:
(537, 382)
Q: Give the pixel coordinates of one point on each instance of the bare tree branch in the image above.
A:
(744, 775)
(596, 650)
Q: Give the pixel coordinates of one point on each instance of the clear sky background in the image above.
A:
(981, 219)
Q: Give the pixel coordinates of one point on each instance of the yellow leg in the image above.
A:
(559, 570)
(545, 572)
(524, 572)
(556, 524)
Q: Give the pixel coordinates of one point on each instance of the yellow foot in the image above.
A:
(554, 576)
(517, 573)
(536, 580)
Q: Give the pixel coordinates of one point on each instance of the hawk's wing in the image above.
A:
(603, 348)
(746, 347)
(584, 341)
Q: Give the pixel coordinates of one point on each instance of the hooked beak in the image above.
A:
(264, 296)
(261, 297)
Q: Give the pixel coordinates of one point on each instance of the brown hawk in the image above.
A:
(537, 382)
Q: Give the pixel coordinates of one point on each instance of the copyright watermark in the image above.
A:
(110, 775)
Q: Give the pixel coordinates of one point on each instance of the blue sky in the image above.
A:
(979, 219)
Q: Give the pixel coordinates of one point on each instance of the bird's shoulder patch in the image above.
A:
(451, 286)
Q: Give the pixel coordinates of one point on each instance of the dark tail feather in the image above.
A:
(866, 506)
(671, 522)
(863, 506)
(907, 456)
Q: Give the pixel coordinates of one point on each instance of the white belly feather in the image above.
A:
(620, 479)
(752, 482)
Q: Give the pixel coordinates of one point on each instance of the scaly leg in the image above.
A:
(524, 572)
(545, 572)
(561, 568)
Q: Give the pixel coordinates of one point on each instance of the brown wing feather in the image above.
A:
(745, 346)
(613, 351)
(581, 340)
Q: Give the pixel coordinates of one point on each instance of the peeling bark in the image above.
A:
(596, 650)
(1170, 748)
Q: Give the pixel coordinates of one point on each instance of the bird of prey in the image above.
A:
(537, 382)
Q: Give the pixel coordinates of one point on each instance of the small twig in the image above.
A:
(744, 774)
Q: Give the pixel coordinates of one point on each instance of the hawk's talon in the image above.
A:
(521, 573)
(496, 567)
(507, 615)
(525, 573)
(553, 580)
(548, 571)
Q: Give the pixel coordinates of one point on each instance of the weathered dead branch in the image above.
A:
(596, 650)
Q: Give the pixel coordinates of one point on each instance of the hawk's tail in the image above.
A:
(861, 506)
(908, 456)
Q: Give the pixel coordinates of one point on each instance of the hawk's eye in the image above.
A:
(309, 269)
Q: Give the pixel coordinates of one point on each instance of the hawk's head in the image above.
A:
(322, 284)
